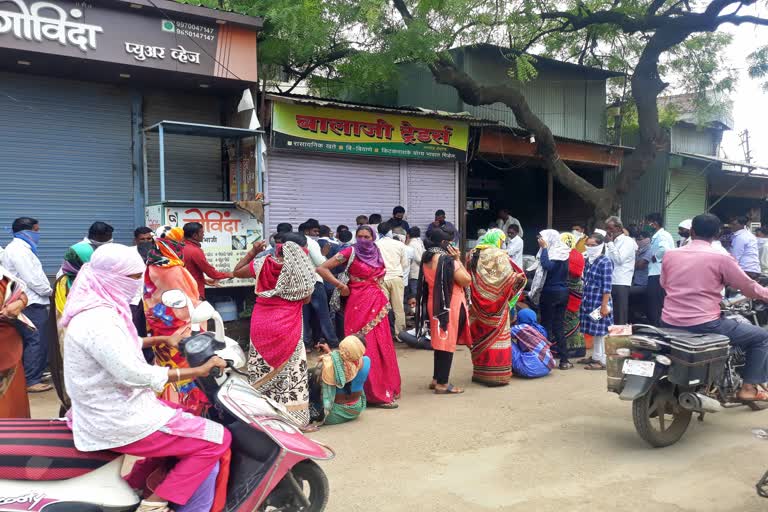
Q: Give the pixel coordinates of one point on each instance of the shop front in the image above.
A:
(333, 161)
(79, 85)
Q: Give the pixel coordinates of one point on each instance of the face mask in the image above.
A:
(99, 244)
(127, 287)
(33, 237)
(594, 252)
(144, 248)
(577, 234)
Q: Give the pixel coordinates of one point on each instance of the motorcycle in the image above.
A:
(271, 465)
(670, 374)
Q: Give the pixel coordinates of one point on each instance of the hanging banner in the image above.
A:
(332, 130)
(229, 233)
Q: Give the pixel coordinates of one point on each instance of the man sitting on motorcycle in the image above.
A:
(112, 388)
(693, 277)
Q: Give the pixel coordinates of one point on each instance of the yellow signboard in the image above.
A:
(333, 130)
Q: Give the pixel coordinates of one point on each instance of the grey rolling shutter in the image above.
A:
(331, 189)
(66, 159)
(192, 164)
(431, 187)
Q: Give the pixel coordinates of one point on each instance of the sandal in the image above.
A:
(39, 388)
(432, 385)
(596, 365)
(309, 429)
(760, 395)
(565, 365)
(586, 360)
(390, 405)
(450, 390)
(153, 506)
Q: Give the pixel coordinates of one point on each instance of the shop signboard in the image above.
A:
(331, 130)
(92, 32)
(229, 232)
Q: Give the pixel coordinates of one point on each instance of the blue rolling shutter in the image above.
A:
(65, 159)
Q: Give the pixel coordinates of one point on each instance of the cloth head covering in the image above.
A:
(493, 238)
(526, 316)
(168, 250)
(686, 224)
(601, 232)
(104, 281)
(341, 366)
(556, 249)
(368, 252)
(75, 257)
(296, 279)
(569, 239)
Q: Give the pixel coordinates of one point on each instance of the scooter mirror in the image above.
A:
(202, 313)
(174, 299)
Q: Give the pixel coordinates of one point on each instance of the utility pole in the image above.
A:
(744, 138)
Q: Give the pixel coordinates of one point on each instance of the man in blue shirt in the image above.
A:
(744, 247)
(661, 242)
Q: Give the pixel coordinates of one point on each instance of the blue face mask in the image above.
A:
(29, 236)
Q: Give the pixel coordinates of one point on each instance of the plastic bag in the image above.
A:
(528, 364)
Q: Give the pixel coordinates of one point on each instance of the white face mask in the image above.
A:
(577, 234)
(594, 252)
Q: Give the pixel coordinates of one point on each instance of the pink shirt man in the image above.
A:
(693, 277)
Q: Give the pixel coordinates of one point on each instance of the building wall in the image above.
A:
(686, 195)
(648, 194)
(692, 139)
(417, 88)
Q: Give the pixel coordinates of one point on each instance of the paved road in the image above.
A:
(553, 444)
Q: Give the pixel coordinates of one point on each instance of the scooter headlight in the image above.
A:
(661, 359)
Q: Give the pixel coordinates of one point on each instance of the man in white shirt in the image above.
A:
(318, 306)
(417, 244)
(515, 245)
(505, 220)
(395, 262)
(20, 258)
(621, 250)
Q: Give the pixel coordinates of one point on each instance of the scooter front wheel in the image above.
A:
(658, 417)
(304, 489)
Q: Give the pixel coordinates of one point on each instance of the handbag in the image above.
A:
(335, 303)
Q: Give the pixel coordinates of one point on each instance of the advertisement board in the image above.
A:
(333, 130)
(229, 232)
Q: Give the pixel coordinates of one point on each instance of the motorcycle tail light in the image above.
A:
(637, 355)
(623, 352)
(663, 360)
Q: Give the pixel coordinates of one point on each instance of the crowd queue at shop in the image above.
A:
(348, 293)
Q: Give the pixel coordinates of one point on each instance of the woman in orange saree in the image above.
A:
(496, 281)
(165, 271)
(13, 387)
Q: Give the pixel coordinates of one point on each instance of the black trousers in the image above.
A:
(655, 296)
(443, 361)
(620, 296)
(552, 307)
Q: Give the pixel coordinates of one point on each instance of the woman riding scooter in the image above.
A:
(112, 388)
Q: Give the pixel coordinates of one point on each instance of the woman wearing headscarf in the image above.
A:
(14, 402)
(527, 317)
(366, 314)
(343, 373)
(496, 281)
(573, 336)
(441, 301)
(165, 271)
(112, 388)
(597, 308)
(277, 359)
(549, 284)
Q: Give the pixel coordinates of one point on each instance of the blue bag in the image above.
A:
(529, 364)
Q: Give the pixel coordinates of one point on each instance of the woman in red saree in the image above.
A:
(14, 402)
(165, 271)
(366, 313)
(496, 280)
(277, 359)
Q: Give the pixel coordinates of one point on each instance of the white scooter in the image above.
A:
(271, 466)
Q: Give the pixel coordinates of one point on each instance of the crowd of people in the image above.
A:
(348, 294)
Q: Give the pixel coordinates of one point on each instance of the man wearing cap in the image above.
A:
(684, 230)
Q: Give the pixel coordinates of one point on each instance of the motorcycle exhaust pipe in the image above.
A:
(699, 403)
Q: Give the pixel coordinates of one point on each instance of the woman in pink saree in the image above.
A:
(366, 314)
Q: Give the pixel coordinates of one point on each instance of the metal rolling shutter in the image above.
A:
(66, 159)
(331, 189)
(192, 164)
(688, 194)
(431, 187)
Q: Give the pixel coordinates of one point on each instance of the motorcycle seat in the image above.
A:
(44, 450)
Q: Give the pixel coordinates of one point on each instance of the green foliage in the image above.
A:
(524, 69)
(758, 66)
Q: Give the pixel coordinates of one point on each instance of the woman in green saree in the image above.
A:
(344, 372)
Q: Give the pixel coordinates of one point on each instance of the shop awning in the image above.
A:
(730, 166)
(201, 130)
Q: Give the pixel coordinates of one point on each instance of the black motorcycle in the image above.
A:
(670, 374)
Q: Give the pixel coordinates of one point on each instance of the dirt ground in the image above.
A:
(552, 444)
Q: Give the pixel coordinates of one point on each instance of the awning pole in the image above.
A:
(550, 202)
(162, 163)
(146, 169)
(728, 191)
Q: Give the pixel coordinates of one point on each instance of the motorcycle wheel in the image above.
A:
(313, 483)
(659, 418)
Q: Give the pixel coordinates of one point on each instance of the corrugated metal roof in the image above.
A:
(411, 111)
(728, 165)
